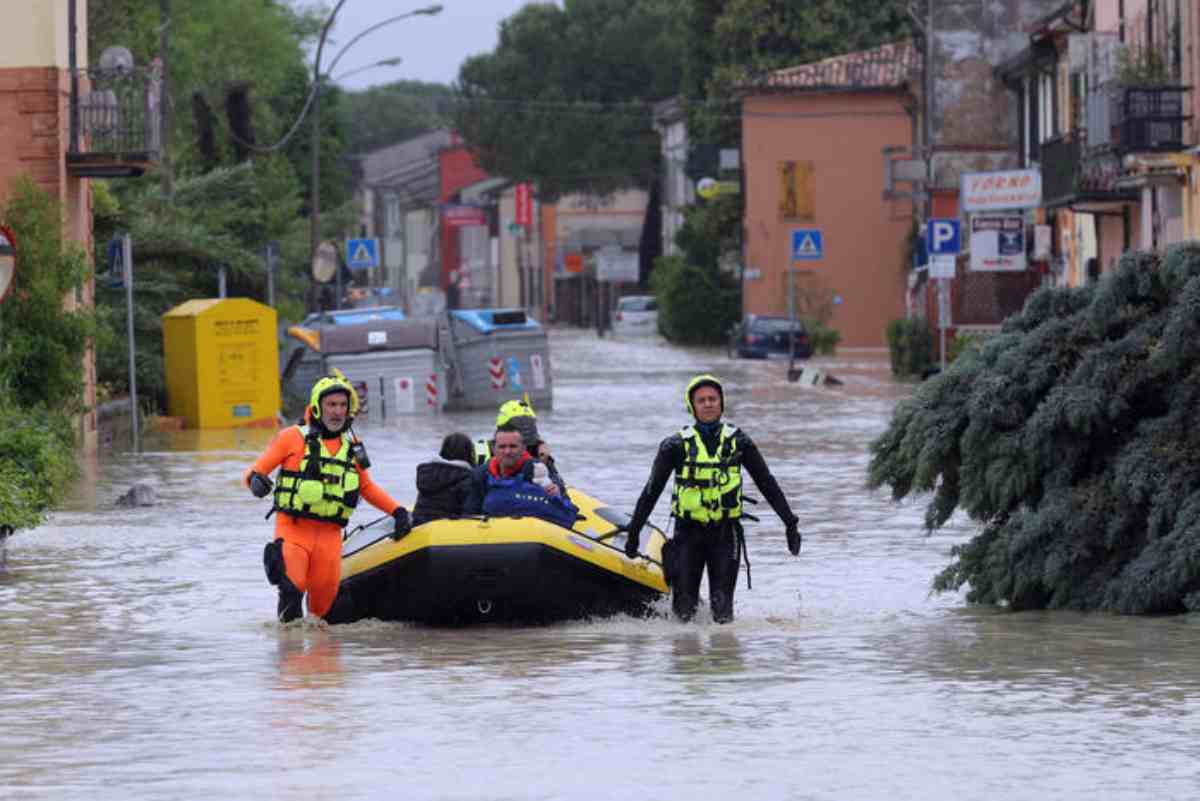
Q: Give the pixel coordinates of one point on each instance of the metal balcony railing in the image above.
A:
(1074, 173)
(115, 121)
(1148, 118)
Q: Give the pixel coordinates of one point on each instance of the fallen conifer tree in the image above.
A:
(1073, 439)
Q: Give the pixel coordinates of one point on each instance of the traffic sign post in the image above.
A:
(945, 243)
(362, 254)
(945, 236)
(807, 244)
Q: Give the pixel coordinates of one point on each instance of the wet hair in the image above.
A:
(507, 427)
(458, 446)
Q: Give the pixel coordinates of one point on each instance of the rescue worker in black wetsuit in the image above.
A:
(707, 461)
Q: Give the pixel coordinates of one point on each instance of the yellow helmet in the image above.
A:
(514, 408)
(327, 386)
(703, 380)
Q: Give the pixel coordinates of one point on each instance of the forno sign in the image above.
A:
(1005, 189)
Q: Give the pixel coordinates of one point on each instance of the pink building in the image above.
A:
(815, 139)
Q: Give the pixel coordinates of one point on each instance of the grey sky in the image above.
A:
(432, 47)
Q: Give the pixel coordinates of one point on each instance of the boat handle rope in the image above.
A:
(362, 527)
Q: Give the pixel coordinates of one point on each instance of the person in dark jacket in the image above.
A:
(707, 460)
(442, 484)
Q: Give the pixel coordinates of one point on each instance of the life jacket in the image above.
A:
(325, 487)
(708, 487)
(515, 496)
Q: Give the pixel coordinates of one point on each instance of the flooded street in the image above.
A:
(141, 660)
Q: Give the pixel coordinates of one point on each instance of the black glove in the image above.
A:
(260, 485)
(793, 538)
(631, 544)
(403, 524)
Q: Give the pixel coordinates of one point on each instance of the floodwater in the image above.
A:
(139, 658)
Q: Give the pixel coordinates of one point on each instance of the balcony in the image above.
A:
(1081, 177)
(1148, 118)
(115, 122)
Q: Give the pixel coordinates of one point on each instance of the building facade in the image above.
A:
(819, 229)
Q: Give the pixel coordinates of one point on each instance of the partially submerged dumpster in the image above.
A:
(464, 359)
(221, 357)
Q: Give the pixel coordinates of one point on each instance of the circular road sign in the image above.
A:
(8, 260)
(324, 263)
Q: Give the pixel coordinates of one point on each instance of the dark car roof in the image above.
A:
(770, 320)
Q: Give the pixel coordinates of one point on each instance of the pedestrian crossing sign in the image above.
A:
(362, 254)
(807, 245)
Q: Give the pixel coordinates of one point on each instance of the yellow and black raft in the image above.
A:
(500, 569)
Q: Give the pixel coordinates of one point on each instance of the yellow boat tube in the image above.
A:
(500, 569)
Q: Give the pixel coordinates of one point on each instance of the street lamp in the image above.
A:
(387, 62)
(315, 188)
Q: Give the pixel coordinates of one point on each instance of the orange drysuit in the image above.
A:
(312, 549)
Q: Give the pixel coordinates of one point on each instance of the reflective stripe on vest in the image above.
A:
(708, 487)
(325, 487)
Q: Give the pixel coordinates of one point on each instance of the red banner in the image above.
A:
(524, 215)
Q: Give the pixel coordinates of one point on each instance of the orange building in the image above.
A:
(815, 142)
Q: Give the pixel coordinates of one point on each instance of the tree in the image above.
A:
(234, 67)
(698, 301)
(1070, 438)
(393, 113)
(564, 99)
(41, 359)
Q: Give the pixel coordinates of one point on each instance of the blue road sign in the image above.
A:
(945, 237)
(362, 254)
(806, 244)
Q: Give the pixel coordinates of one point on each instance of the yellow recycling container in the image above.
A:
(222, 363)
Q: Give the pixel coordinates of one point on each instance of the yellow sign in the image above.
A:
(708, 188)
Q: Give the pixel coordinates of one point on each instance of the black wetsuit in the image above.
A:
(715, 545)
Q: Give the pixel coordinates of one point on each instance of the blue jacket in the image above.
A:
(517, 496)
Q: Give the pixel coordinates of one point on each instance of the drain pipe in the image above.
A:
(72, 65)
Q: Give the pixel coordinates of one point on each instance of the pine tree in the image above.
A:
(1070, 437)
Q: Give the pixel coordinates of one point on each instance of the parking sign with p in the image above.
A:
(944, 236)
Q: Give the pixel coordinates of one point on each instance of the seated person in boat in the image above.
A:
(519, 414)
(511, 484)
(442, 483)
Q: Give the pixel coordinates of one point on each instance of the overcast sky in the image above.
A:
(432, 47)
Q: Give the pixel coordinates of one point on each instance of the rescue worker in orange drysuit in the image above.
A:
(322, 474)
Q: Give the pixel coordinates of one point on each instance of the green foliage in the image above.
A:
(696, 304)
(1071, 440)
(215, 45)
(910, 346)
(964, 345)
(823, 339)
(698, 301)
(1142, 66)
(37, 462)
(389, 114)
(563, 100)
(41, 343)
(221, 217)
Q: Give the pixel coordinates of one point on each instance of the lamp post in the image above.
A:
(315, 186)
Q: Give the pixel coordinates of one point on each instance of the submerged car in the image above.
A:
(635, 314)
(760, 337)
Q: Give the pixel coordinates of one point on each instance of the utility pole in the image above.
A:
(164, 98)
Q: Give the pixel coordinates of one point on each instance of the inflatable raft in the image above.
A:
(500, 569)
